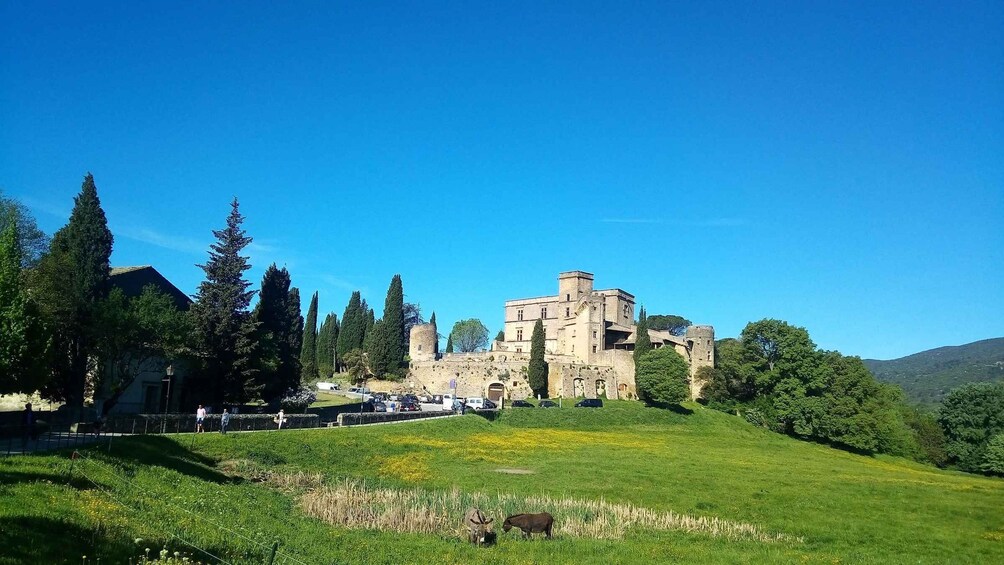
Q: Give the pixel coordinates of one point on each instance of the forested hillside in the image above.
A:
(928, 376)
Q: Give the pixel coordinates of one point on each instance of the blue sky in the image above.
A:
(835, 165)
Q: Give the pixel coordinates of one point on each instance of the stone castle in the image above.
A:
(589, 340)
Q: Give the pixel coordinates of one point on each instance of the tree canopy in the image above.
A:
(308, 349)
(468, 335)
(24, 343)
(662, 377)
(279, 334)
(676, 325)
(971, 416)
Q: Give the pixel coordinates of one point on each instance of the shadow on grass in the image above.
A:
(8, 478)
(34, 539)
(164, 452)
(675, 408)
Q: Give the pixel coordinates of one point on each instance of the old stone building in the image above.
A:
(589, 339)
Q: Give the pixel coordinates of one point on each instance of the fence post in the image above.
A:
(271, 556)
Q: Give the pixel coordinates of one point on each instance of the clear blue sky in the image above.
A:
(838, 165)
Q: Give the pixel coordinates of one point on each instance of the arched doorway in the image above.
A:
(495, 392)
(622, 391)
(601, 388)
(578, 387)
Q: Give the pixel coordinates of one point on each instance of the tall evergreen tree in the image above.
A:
(23, 343)
(386, 351)
(353, 328)
(308, 353)
(326, 346)
(449, 343)
(435, 330)
(86, 244)
(279, 334)
(225, 326)
(537, 371)
(642, 341)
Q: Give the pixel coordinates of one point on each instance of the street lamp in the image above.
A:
(167, 401)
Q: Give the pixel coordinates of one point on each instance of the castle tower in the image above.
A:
(572, 285)
(701, 343)
(423, 342)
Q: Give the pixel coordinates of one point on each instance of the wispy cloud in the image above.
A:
(167, 241)
(630, 221)
(336, 282)
(45, 207)
(718, 223)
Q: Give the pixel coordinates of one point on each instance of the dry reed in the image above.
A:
(352, 504)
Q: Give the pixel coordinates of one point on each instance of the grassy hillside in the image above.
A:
(626, 484)
(928, 376)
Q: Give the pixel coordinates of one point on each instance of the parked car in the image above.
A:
(548, 404)
(380, 396)
(589, 403)
(410, 398)
(489, 404)
(520, 404)
(328, 386)
(437, 399)
(410, 407)
(379, 406)
(475, 403)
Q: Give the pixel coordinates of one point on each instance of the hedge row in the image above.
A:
(348, 419)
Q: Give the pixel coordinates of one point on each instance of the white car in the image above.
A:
(328, 386)
(475, 402)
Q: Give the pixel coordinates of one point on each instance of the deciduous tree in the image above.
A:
(676, 325)
(971, 415)
(469, 335)
(662, 377)
(24, 345)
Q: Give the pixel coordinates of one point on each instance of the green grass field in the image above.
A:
(626, 484)
(325, 399)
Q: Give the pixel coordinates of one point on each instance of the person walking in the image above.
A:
(200, 417)
(224, 421)
(28, 425)
(280, 418)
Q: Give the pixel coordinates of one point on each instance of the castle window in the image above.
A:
(420, 347)
(568, 298)
(594, 349)
(709, 356)
(518, 350)
(519, 334)
(568, 312)
(519, 315)
(627, 311)
(543, 312)
(594, 336)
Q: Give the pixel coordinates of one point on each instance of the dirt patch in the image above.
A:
(513, 471)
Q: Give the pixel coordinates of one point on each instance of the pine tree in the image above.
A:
(87, 243)
(642, 341)
(308, 353)
(353, 328)
(537, 371)
(279, 334)
(226, 328)
(449, 344)
(23, 344)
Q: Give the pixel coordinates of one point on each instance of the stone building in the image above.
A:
(589, 340)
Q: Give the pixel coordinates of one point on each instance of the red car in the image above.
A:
(410, 407)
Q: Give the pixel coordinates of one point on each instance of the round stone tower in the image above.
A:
(423, 342)
(701, 342)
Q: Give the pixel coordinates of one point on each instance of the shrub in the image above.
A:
(662, 377)
(297, 400)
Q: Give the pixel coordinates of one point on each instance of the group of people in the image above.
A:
(200, 419)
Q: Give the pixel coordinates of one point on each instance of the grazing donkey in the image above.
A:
(479, 527)
(530, 523)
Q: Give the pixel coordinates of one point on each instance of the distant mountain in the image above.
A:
(928, 376)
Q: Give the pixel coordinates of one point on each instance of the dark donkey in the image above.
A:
(530, 523)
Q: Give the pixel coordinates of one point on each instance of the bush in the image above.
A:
(662, 377)
(993, 458)
(297, 401)
(184, 423)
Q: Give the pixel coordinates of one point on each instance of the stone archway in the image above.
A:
(495, 392)
(578, 387)
(601, 388)
(622, 391)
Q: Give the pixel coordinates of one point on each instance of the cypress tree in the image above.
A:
(326, 337)
(449, 344)
(278, 333)
(353, 328)
(435, 330)
(225, 326)
(88, 243)
(308, 353)
(386, 346)
(537, 371)
(642, 341)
